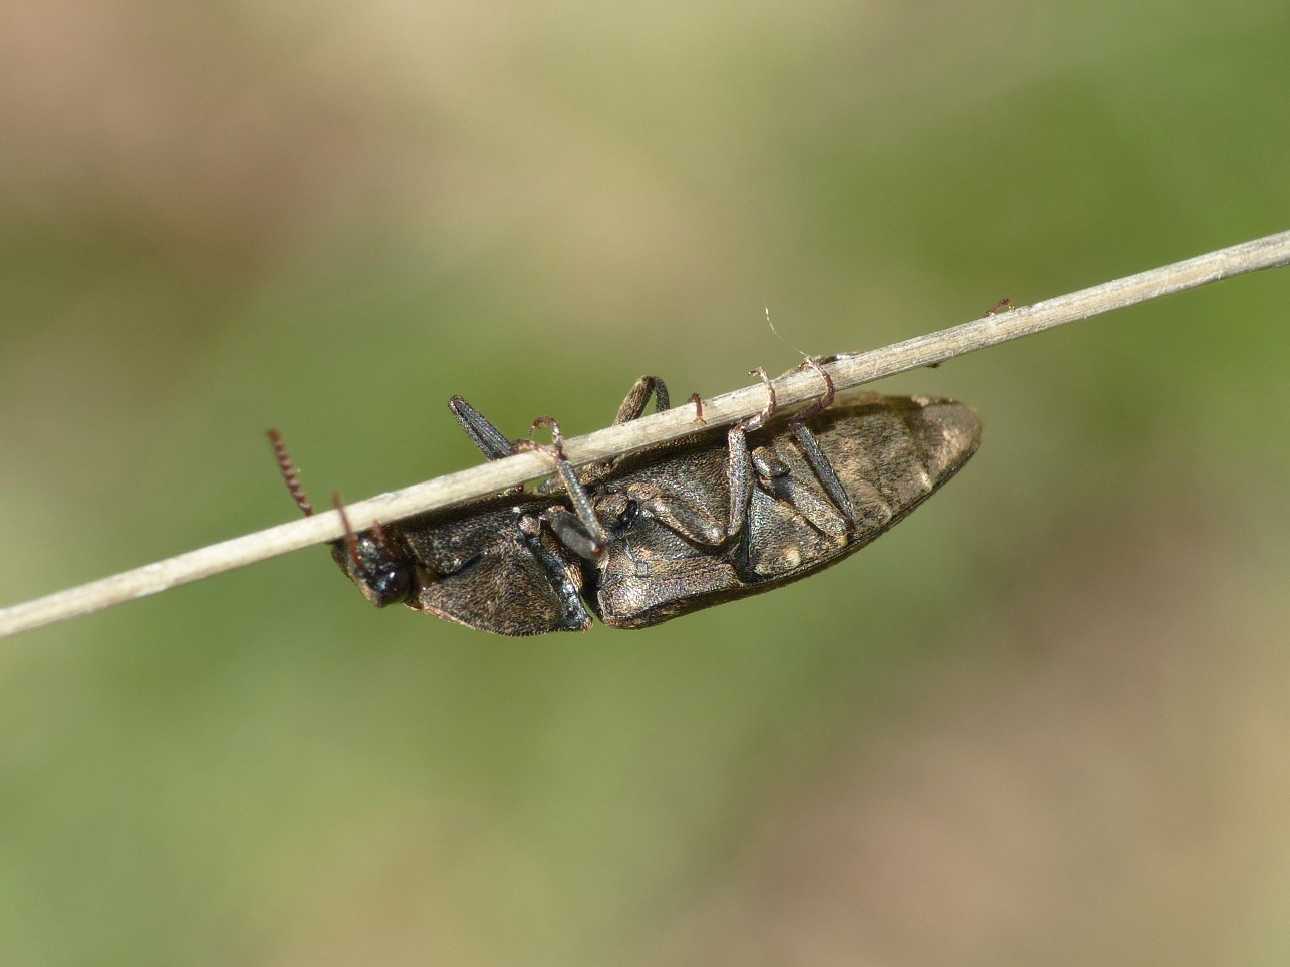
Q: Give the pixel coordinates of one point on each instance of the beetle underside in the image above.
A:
(889, 455)
(668, 530)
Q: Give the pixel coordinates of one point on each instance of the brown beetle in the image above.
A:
(670, 529)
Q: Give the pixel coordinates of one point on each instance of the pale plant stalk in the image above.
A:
(847, 371)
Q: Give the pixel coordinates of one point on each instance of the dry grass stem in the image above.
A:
(847, 371)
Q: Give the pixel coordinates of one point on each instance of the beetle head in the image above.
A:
(373, 562)
(372, 559)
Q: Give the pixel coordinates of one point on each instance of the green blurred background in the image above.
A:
(1044, 721)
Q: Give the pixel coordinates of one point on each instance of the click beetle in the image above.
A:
(670, 529)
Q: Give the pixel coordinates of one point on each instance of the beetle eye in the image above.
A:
(389, 583)
(380, 572)
(628, 515)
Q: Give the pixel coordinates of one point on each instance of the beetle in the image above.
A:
(670, 529)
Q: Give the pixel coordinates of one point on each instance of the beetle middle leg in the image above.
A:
(633, 407)
(637, 398)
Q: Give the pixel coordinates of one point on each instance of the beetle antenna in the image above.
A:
(378, 532)
(351, 542)
(290, 474)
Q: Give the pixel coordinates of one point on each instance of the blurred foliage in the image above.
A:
(1041, 722)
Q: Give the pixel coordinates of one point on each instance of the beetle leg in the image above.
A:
(739, 476)
(764, 417)
(811, 447)
(739, 470)
(593, 539)
(821, 403)
(632, 406)
(769, 466)
(563, 576)
(637, 398)
(693, 523)
(490, 440)
(568, 528)
(824, 471)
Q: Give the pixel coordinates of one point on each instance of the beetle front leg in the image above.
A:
(564, 577)
(491, 441)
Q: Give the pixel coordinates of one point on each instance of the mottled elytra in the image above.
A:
(676, 527)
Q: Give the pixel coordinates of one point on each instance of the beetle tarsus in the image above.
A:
(821, 403)
(772, 404)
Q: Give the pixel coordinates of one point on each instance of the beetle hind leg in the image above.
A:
(740, 468)
(815, 456)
